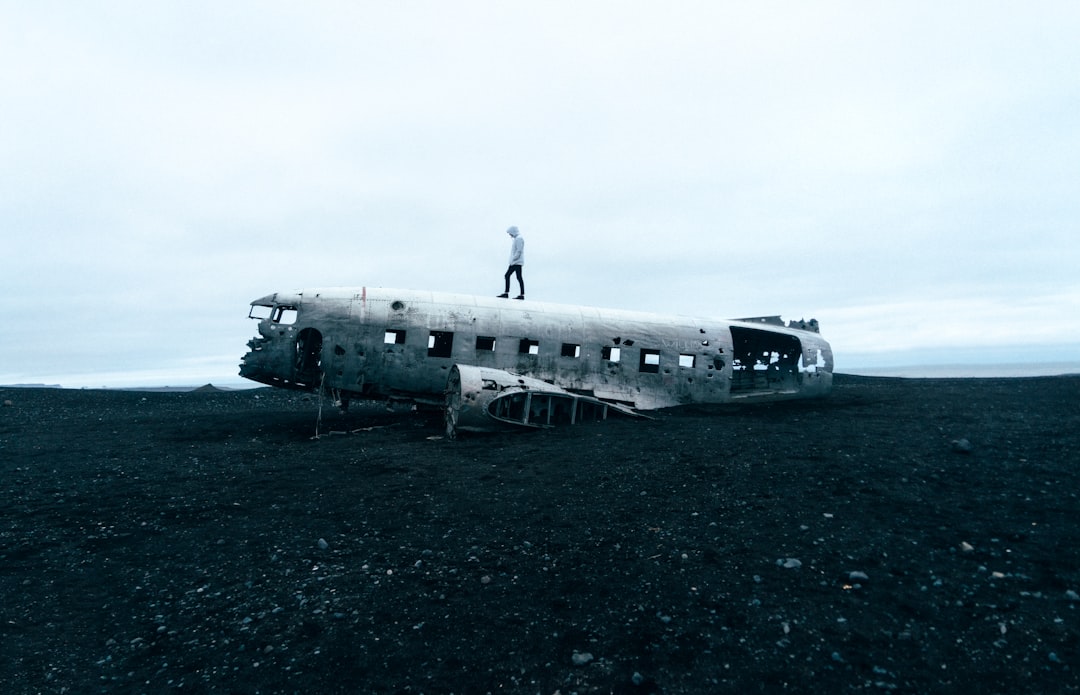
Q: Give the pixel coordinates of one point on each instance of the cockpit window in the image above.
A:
(279, 313)
(284, 314)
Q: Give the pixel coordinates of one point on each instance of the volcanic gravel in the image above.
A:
(902, 535)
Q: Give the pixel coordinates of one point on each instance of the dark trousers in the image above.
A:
(510, 271)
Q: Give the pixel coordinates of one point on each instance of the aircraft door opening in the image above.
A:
(764, 362)
(309, 343)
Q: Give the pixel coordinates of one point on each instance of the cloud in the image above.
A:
(163, 164)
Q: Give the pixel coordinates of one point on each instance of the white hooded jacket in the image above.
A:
(517, 247)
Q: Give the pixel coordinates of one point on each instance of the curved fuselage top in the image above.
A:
(379, 342)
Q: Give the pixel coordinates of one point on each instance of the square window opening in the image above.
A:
(394, 336)
(571, 350)
(440, 343)
(650, 361)
(687, 361)
(611, 354)
(485, 343)
(528, 346)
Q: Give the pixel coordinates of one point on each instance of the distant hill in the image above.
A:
(31, 386)
(206, 388)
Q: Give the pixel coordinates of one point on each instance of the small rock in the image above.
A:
(1072, 595)
(858, 576)
(790, 563)
(967, 547)
(961, 446)
(637, 678)
(323, 545)
(581, 658)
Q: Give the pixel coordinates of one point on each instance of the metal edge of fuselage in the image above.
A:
(338, 306)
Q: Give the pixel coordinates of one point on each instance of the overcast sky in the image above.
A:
(908, 173)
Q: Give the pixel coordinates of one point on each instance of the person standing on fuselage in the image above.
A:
(517, 259)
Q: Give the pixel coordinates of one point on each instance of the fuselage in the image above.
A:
(387, 343)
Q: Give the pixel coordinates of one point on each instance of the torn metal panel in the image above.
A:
(479, 399)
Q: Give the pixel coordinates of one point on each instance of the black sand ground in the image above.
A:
(205, 542)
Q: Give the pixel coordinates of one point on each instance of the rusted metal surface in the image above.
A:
(387, 343)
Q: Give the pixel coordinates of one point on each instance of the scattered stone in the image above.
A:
(581, 658)
(961, 446)
(184, 606)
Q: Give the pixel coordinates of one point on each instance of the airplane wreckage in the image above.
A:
(494, 364)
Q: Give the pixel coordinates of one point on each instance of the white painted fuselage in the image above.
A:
(387, 343)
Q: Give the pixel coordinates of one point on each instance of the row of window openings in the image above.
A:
(441, 342)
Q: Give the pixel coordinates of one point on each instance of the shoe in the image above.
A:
(520, 296)
(504, 295)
